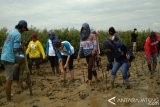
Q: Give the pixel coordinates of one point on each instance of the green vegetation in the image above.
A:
(3, 33)
(72, 35)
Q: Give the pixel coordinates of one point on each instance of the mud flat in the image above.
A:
(49, 91)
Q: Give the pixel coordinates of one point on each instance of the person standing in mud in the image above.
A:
(20, 65)
(96, 47)
(11, 52)
(151, 50)
(118, 52)
(51, 52)
(35, 49)
(67, 54)
(88, 48)
(114, 35)
(134, 35)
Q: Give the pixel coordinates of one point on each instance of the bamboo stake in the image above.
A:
(83, 75)
(28, 76)
(29, 81)
(103, 74)
(106, 79)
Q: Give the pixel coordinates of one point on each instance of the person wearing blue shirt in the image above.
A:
(67, 54)
(10, 50)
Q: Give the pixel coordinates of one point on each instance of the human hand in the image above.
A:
(78, 58)
(127, 56)
(65, 66)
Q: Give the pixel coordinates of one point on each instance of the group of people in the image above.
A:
(151, 48)
(15, 50)
(61, 54)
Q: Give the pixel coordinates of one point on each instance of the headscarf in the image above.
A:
(54, 38)
(85, 35)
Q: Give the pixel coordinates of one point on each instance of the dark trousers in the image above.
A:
(91, 66)
(64, 59)
(34, 60)
(53, 61)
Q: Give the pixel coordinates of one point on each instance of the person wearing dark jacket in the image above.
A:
(118, 52)
(134, 39)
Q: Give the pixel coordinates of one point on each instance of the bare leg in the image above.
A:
(112, 83)
(8, 89)
(134, 49)
(72, 74)
(18, 70)
(21, 76)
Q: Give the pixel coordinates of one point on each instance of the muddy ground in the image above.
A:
(49, 91)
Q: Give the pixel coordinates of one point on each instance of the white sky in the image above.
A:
(100, 14)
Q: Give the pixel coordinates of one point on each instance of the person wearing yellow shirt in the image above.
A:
(35, 50)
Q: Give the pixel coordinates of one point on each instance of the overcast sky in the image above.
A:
(100, 14)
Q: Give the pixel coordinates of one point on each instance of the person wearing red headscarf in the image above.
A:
(35, 50)
(151, 50)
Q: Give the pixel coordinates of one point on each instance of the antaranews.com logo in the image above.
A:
(148, 101)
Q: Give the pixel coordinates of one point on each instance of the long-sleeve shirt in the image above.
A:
(117, 50)
(96, 44)
(51, 50)
(116, 37)
(13, 41)
(150, 49)
(87, 46)
(35, 49)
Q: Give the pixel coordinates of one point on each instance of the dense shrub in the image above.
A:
(3, 33)
(72, 35)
